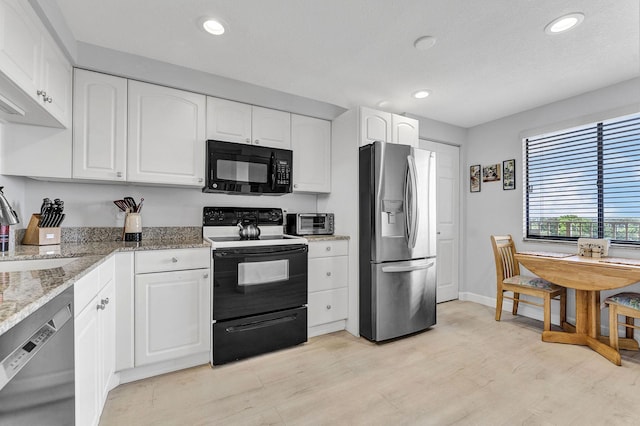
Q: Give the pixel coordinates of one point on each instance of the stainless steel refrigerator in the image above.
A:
(397, 240)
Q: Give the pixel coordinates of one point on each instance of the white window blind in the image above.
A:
(585, 182)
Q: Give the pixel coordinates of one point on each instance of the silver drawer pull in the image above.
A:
(100, 307)
(328, 307)
(174, 259)
(328, 274)
(105, 301)
(328, 248)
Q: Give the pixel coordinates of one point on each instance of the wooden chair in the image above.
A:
(627, 304)
(508, 278)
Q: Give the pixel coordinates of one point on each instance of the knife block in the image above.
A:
(35, 236)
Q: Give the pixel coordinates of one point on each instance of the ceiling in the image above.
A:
(491, 59)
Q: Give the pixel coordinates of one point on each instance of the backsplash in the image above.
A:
(89, 234)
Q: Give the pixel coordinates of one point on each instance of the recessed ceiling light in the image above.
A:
(564, 23)
(421, 94)
(424, 43)
(213, 26)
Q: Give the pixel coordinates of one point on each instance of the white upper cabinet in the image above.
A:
(404, 130)
(35, 76)
(228, 121)
(237, 122)
(374, 126)
(271, 128)
(387, 127)
(99, 126)
(166, 135)
(311, 144)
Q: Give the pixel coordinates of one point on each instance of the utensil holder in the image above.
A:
(35, 236)
(133, 227)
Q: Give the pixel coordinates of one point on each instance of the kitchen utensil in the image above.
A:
(131, 203)
(122, 205)
(140, 205)
(247, 228)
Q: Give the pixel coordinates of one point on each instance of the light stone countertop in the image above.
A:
(23, 292)
(313, 238)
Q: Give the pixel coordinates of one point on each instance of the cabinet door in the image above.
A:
(56, 81)
(107, 333)
(270, 127)
(228, 121)
(405, 130)
(327, 306)
(87, 362)
(171, 315)
(166, 135)
(99, 126)
(374, 126)
(326, 273)
(311, 144)
(20, 46)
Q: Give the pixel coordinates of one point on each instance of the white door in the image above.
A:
(311, 144)
(87, 365)
(270, 127)
(374, 126)
(228, 121)
(99, 126)
(448, 217)
(171, 315)
(166, 135)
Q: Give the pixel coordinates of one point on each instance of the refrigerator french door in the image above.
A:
(397, 240)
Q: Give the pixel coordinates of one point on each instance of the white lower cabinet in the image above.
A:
(172, 305)
(94, 345)
(328, 282)
(172, 311)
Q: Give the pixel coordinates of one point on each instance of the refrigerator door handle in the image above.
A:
(411, 196)
(408, 268)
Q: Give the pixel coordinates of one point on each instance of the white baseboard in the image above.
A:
(524, 310)
(163, 367)
(326, 328)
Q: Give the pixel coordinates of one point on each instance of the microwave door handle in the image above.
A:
(273, 172)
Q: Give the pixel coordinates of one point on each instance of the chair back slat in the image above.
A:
(504, 250)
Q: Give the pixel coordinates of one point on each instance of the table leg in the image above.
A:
(582, 312)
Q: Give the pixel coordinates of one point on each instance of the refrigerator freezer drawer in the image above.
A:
(403, 298)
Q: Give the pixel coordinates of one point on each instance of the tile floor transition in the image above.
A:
(467, 370)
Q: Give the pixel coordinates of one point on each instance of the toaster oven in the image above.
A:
(310, 223)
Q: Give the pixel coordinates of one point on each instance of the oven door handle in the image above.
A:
(246, 252)
(260, 324)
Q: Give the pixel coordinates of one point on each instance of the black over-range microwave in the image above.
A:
(237, 168)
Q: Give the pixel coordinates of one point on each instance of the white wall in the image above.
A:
(494, 211)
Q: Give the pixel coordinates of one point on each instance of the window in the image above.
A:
(585, 182)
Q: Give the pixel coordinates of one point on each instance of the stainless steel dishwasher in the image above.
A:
(37, 384)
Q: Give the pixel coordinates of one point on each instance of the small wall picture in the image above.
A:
(491, 173)
(509, 174)
(474, 176)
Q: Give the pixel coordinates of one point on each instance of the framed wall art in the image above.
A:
(509, 174)
(491, 173)
(474, 178)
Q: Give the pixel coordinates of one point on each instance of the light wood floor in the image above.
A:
(468, 369)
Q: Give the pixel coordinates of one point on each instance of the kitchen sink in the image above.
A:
(34, 265)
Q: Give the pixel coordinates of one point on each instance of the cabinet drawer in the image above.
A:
(328, 248)
(327, 306)
(326, 273)
(86, 289)
(172, 260)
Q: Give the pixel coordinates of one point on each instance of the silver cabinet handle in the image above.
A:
(174, 259)
(100, 306)
(41, 93)
(205, 276)
(328, 274)
(105, 301)
(328, 307)
(248, 140)
(47, 99)
(257, 141)
(295, 185)
(328, 248)
(119, 174)
(200, 180)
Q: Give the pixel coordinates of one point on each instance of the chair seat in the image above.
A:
(533, 282)
(628, 299)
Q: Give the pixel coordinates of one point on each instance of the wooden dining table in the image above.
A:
(587, 276)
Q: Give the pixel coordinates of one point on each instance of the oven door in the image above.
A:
(256, 280)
